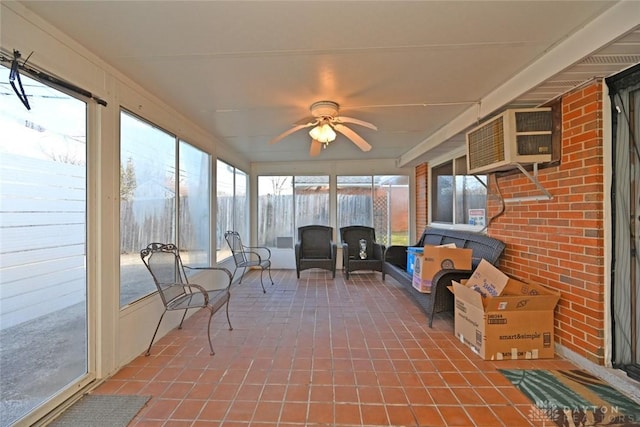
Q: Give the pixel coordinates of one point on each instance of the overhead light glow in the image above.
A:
(323, 133)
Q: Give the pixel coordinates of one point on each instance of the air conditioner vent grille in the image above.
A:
(516, 136)
(533, 121)
(531, 145)
(487, 144)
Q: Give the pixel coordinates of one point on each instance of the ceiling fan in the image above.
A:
(326, 122)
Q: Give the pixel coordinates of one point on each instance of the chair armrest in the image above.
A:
(378, 251)
(446, 276)
(254, 253)
(226, 271)
(222, 269)
(255, 249)
(397, 255)
(191, 288)
(345, 254)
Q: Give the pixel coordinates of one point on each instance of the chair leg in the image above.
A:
(183, 316)
(227, 310)
(439, 299)
(154, 334)
(270, 278)
(432, 309)
(209, 331)
(243, 272)
(264, 291)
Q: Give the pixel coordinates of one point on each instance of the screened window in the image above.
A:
(458, 198)
(312, 200)
(379, 201)
(288, 202)
(391, 209)
(195, 205)
(355, 200)
(241, 204)
(164, 197)
(233, 206)
(275, 211)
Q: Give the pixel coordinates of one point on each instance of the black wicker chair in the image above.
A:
(315, 248)
(351, 257)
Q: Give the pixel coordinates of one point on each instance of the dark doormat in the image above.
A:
(573, 398)
(100, 410)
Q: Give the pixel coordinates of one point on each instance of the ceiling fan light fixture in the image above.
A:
(323, 133)
(325, 124)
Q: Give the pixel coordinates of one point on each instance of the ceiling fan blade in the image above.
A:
(316, 146)
(292, 130)
(357, 139)
(342, 119)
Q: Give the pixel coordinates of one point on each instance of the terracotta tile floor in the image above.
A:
(317, 351)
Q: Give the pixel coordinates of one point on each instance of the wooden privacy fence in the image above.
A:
(154, 220)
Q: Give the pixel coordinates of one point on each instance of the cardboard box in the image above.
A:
(516, 324)
(436, 258)
(412, 252)
(487, 279)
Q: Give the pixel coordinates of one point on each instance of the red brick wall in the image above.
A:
(558, 242)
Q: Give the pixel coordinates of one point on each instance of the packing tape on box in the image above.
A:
(468, 344)
(530, 354)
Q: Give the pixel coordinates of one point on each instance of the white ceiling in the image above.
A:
(422, 71)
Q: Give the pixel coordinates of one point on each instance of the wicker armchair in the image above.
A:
(315, 249)
(351, 257)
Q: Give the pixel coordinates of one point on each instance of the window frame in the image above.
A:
(333, 219)
(175, 233)
(222, 250)
(458, 163)
(76, 381)
(295, 199)
(374, 182)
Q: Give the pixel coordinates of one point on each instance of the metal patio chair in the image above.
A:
(248, 256)
(164, 263)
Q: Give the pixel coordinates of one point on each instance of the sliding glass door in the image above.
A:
(43, 276)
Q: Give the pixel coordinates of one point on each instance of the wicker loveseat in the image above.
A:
(440, 299)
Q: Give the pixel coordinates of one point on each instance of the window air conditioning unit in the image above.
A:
(517, 136)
